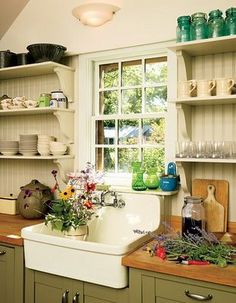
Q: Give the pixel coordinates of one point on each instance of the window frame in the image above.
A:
(84, 121)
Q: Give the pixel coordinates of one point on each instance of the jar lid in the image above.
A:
(230, 11)
(193, 199)
(181, 19)
(199, 15)
(215, 13)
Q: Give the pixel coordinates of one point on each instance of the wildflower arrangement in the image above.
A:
(74, 207)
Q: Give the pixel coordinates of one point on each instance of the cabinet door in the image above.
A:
(7, 274)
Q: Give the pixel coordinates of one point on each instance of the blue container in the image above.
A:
(168, 183)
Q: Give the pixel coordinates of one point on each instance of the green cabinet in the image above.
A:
(42, 287)
(11, 274)
(150, 287)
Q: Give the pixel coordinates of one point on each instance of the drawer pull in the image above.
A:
(2, 252)
(76, 298)
(64, 298)
(198, 297)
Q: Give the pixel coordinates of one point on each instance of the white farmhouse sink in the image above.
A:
(98, 258)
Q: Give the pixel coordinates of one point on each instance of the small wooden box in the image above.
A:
(8, 205)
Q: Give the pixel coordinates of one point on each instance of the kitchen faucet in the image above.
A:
(116, 202)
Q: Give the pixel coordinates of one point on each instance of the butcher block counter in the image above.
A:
(10, 228)
(140, 259)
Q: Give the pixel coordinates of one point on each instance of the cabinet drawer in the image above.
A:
(176, 291)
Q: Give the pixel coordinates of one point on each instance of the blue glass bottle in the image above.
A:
(183, 29)
(216, 24)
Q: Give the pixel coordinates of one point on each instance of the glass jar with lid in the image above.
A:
(216, 24)
(199, 26)
(193, 216)
(183, 29)
(230, 21)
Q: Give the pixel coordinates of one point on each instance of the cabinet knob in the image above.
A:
(64, 298)
(198, 297)
(2, 252)
(76, 298)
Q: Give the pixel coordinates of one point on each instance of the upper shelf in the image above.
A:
(30, 70)
(212, 100)
(206, 46)
(34, 111)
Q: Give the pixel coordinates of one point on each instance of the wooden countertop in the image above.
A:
(140, 259)
(10, 228)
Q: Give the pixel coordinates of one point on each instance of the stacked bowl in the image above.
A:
(44, 144)
(9, 148)
(58, 148)
(28, 145)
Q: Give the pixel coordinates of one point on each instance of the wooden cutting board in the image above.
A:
(215, 194)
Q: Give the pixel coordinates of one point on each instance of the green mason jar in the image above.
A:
(199, 26)
(183, 29)
(230, 21)
(151, 179)
(216, 24)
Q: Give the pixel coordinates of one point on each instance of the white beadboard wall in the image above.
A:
(15, 173)
(215, 122)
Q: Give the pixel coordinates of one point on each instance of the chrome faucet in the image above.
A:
(116, 202)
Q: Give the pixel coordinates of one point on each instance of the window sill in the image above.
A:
(156, 192)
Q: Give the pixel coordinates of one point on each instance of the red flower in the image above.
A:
(88, 204)
(161, 252)
(90, 187)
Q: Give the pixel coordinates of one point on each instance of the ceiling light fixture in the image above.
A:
(95, 13)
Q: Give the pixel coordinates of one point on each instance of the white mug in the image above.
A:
(186, 88)
(205, 87)
(224, 86)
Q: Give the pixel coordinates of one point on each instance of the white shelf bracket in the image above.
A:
(184, 66)
(184, 122)
(65, 166)
(66, 121)
(66, 79)
(184, 169)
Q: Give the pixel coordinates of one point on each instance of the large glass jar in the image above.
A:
(193, 216)
(183, 29)
(230, 21)
(216, 24)
(199, 26)
(137, 177)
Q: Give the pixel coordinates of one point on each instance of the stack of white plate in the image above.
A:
(58, 148)
(44, 144)
(9, 148)
(28, 145)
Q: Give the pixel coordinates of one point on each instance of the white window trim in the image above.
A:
(84, 107)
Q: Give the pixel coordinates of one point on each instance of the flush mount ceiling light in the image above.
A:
(95, 13)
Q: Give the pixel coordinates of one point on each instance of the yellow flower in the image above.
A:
(71, 191)
(67, 193)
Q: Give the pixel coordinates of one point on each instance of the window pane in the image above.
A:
(105, 159)
(154, 157)
(108, 102)
(153, 131)
(131, 101)
(125, 158)
(105, 132)
(108, 75)
(155, 71)
(155, 99)
(131, 73)
(128, 132)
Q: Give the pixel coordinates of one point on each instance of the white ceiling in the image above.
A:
(9, 10)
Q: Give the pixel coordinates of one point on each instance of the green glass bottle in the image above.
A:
(137, 177)
(230, 21)
(183, 29)
(198, 28)
(151, 179)
(216, 24)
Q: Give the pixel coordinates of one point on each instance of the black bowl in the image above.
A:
(7, 59)
(24, 58)
(42, 52)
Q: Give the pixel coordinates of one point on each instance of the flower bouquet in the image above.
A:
(74, 207)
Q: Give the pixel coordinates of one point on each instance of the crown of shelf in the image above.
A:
(206, 160)
(206, 46)
(211, 100)
(29, 70)
(37, 157)
(34, 111)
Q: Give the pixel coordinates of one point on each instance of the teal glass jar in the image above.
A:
(151, 179)
(199, 26)
(216, 24)
(137, 177)
(183, 29)
(230, 21)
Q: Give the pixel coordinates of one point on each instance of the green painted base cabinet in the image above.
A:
(11, 274)
(149, 287)
(46, 288)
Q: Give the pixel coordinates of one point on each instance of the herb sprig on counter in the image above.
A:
(194, 247)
